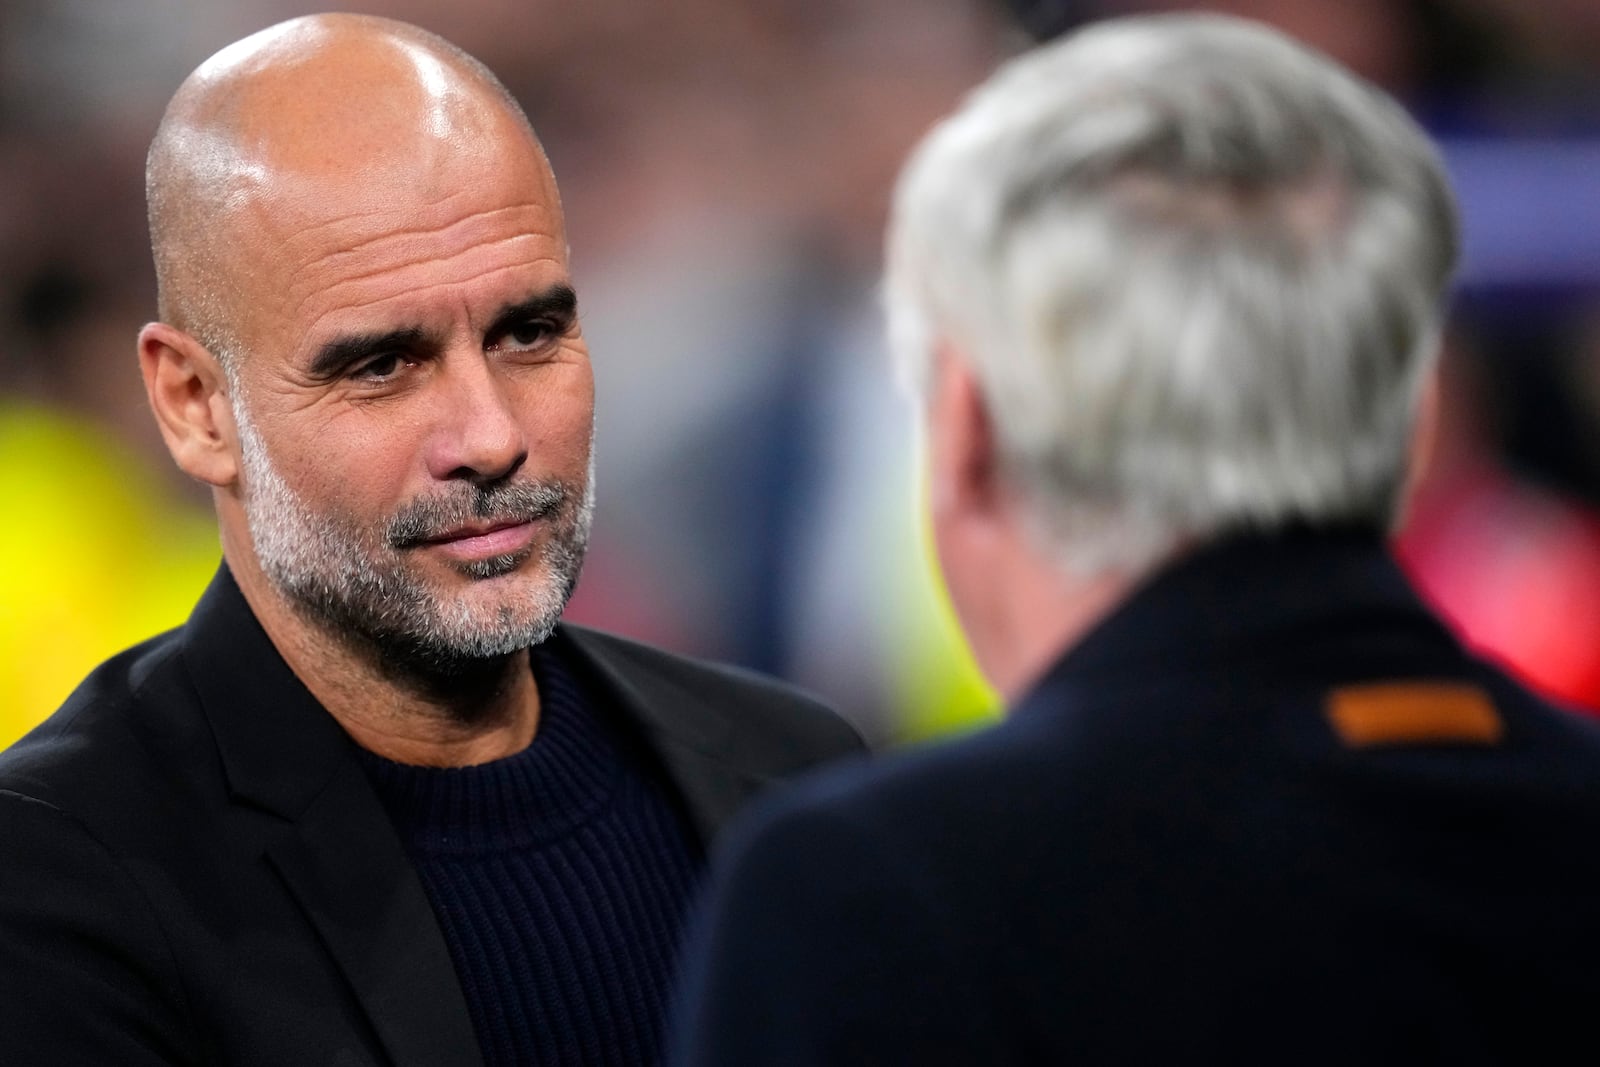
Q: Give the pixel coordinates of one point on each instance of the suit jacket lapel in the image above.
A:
(336, 851)
(362, 894)
(694, 742)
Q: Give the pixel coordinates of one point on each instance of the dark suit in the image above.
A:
(1267, 812)
(194, 868)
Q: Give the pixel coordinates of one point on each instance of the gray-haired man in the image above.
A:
(1172, 289)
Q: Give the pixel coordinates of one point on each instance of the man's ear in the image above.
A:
(964, 473)
(188, 394)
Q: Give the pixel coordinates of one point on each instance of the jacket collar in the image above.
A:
(282, 753)
(336, 851)
(279, 747)
(694, 742)
(1255, 603)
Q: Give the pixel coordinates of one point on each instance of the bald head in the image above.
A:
(337, 114)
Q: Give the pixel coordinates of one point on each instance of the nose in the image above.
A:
(477, 433)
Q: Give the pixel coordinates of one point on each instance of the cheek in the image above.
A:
(355, 469)
(561, 419)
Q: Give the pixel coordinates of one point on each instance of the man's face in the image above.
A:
(415, 409)
(363, 578)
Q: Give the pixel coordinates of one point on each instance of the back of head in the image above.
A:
(1198, 271)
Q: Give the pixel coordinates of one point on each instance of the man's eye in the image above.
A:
(380, 368)
(530, 334)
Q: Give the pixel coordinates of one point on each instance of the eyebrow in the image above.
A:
(558, 303)
(343, 352)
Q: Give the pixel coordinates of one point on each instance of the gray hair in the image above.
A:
(1199, 272)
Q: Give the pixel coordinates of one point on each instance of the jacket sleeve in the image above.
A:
(86, 975)
(818, 945)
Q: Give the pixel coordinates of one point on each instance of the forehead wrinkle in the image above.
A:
(423, 245)
(486, 272)
(376, 241)
(276, 199)
(318, 98)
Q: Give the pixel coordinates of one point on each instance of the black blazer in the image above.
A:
(194, 869)
(1268, 812)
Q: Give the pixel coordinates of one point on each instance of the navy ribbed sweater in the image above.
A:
(560, 877)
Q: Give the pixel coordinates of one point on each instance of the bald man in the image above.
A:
(373, 803)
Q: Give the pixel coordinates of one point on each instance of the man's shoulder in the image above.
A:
(765, 711)
(104, 737)
(1267, 772)
(931, 798)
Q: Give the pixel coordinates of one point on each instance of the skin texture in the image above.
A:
(1017, 606)
(339, 178)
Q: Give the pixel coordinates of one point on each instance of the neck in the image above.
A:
(455, 716)
(1042, 619)
(400, 706)
(1023, 610)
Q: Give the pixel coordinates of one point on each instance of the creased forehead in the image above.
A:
(317, 117)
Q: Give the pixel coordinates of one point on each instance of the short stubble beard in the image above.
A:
(360, 586)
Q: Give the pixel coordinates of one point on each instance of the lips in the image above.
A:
(481, 540)
(472, 520)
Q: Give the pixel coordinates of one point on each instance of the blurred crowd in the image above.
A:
(725, 166)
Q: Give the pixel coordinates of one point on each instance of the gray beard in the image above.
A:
(358, 584)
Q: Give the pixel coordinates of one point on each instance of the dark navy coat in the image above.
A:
(1268, 812)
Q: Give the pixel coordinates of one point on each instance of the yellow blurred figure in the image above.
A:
(95, 556)
(938, 687)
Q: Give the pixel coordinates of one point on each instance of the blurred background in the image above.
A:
(725, 166)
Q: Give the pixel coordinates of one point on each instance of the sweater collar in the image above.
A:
(562, 779)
